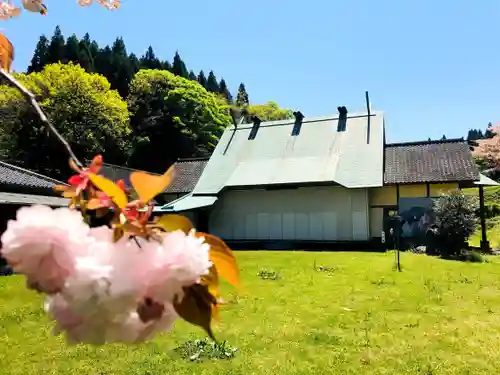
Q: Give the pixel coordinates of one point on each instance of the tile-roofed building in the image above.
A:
(11, 175)
(188, 172)
(431, 161)
(117, 172)
(22, 187)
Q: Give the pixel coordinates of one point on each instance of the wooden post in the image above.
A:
(485, 245)
(398, 243)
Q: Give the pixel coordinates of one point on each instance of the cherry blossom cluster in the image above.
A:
(100, 291)
(9, 10)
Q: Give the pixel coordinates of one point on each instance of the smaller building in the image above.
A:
(187, 174)
(21, 187)
(414, 173)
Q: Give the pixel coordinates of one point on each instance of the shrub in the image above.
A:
(472, 256)
(455, 222)
(490, 210)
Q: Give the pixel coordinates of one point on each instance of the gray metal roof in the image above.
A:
(485, 181)
(319, 154)
(186, 203)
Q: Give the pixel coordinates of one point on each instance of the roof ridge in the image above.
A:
(33, 173)
(431, 142)
(199, 158)
(305, 120)
(128, 168)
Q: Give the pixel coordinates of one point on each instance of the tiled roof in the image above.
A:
(187, 174)
(13, 175)
(435, 161)
(116, 172)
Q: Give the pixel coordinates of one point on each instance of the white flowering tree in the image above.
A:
(489, 151)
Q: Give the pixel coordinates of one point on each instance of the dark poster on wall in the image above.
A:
(417, 216)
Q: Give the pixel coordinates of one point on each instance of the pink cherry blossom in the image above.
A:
(150, 269)
(42, 244)
(187, 256)
(100, 291)
(104, 328)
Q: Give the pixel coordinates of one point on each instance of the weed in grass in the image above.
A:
(433, 289)
(329, 270)
(464, 280)
(206, 349)
(317, 337)
(412, 325)
(269, 275)
(366, 328)
(382, 281)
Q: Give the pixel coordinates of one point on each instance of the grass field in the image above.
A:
(435, 317)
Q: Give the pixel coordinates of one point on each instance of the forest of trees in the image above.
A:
(476, 134)
(118, 66)
(142, 112)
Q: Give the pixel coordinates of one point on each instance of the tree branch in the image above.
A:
(30, 98)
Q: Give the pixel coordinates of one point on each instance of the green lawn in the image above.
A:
(435, 317)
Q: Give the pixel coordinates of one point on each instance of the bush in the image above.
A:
(455, 222)
(490, 210)
(472, 256)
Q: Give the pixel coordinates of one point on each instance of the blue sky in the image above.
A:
(432, 66)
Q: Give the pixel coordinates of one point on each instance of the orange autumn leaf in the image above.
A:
(94, 204)
(111, 189)
(170, 223)
(66, 191)
(211, 280)
(148, 186)
(223, 259)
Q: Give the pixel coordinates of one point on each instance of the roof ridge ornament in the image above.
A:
(342, 124)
